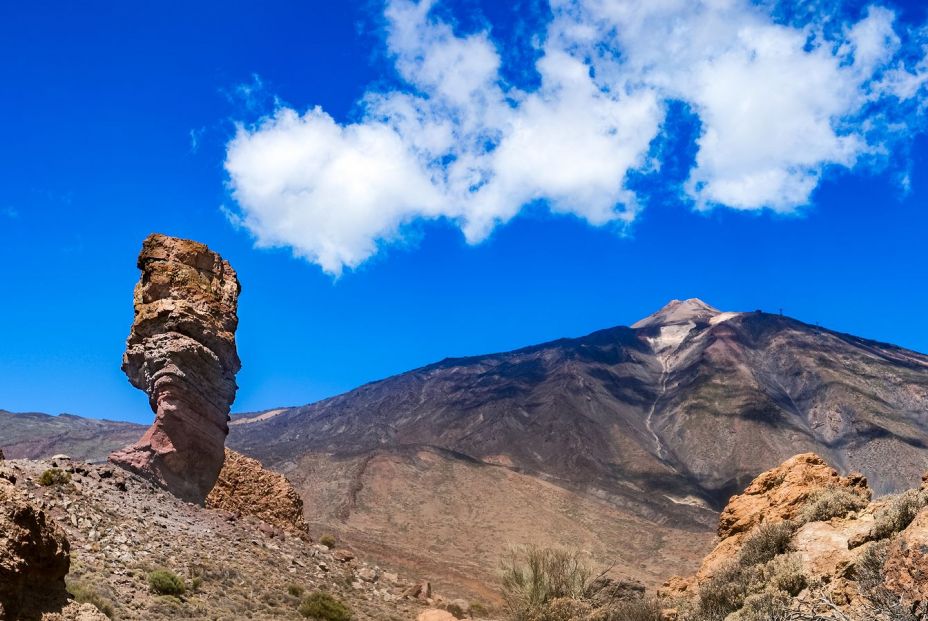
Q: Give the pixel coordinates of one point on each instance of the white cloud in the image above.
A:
(778, 104)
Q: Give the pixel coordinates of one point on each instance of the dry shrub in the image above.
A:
(768, 605)
(642, 609)
(898, 513)
(84, 594)
(723, 593)
(533, 576)
(766, 542)
(561, 609)
(830, 502)
(785, 573)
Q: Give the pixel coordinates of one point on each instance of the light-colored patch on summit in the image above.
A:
(258, 418)
(722, 317)
(670, 337)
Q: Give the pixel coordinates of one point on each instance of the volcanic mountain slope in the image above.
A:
(32, 436)
(626, 441)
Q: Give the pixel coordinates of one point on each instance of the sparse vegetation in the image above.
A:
(830, 502)
(456, 610)
(323, 607)
(768, 605)
(328, 541)
(534, 577)
(477, 609)
(54, 476)
(84, 594)
(785, 573)
(165, 582)
(753, 589)
(643, 609)
(898, 513)
(766, 542)
(723, 593)
(295, 590)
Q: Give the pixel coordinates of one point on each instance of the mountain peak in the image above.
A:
(678, 312)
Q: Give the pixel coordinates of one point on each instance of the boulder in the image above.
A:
(245, 487)
(421, 591)
(34, 557)
(181, 352)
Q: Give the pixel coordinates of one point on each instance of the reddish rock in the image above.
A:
(181, 351)
(245, 487)
(34, 557)
(906, 568)
(779, 493)
(774, 496)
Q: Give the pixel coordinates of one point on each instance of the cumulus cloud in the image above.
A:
(780, 102)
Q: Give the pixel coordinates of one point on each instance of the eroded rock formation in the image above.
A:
(245, 487)
(181, 351)
(776, 495)
(34, 557)
(906, 569)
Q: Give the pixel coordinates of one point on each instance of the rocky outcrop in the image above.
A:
(181, 351)
(34, 558)
(776, 495)
(245, 487)
(780, 493)
(906, 568)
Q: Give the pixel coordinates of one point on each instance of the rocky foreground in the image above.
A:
(109, 530)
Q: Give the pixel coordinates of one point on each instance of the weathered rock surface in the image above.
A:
(245, 487)
(779, 493)
(34, 557)
(906, 568)
(775, 496)
(181, 351)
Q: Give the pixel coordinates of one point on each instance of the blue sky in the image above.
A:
(126, 118)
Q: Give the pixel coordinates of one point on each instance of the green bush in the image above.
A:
(164, 582)
(766, 542)
(830, 502)
(54, 476)
(323, 607)
(328, 541)
(533, 576)
(898, 513)
(83, 594)
(295, 590)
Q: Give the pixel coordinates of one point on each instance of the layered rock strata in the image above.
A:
(181, 352)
